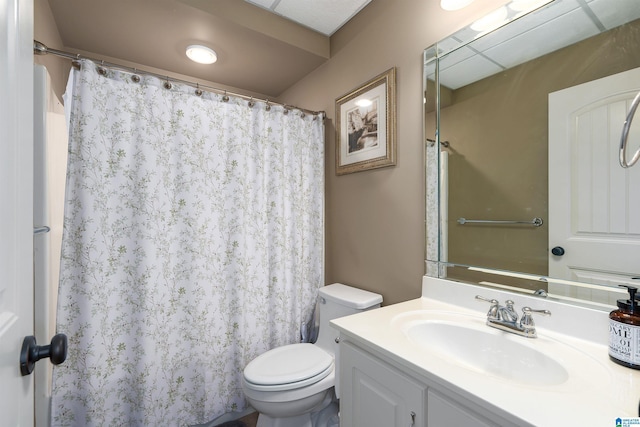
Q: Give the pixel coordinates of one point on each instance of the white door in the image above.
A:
(16, 207)
(594, 204)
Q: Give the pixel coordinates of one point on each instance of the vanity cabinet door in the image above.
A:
(373, 394)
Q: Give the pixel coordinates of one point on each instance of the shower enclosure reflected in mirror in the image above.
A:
(522, 130)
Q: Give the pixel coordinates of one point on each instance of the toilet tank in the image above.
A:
(338, 300)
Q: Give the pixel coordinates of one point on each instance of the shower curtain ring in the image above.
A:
(198, 90)
(268, 106)
(167, 84)
(101, 70)
(225, 98)
(135, 77)
(251, 103)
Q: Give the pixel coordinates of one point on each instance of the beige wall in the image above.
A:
(375, 219)
(45, 31)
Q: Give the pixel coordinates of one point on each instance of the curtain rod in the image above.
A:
(41, 49)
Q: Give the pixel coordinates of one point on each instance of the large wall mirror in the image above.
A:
(522, 128)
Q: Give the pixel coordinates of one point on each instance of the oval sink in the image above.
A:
(490, 352)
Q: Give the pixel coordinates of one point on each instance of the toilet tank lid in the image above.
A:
(350, 296)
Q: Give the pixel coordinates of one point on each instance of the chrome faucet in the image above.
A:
(505, 318)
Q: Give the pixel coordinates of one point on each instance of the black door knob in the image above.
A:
(32, 352)
(558, 251)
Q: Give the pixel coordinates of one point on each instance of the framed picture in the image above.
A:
(366, 125)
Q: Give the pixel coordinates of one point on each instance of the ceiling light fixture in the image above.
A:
(201, 54)
(491, 21)
(454, 4)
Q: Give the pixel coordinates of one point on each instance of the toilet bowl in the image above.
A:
(294, 385)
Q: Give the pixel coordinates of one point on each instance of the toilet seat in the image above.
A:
(288, 367)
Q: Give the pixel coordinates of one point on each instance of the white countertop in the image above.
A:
(597, 392)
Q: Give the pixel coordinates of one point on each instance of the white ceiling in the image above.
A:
(560, 24)
(324, 16)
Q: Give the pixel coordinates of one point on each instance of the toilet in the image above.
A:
(293, 385)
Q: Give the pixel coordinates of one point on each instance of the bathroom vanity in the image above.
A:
(434, 361)
(495, 122)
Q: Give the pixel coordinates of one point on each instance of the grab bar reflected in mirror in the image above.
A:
(536, 222)
(625, 136)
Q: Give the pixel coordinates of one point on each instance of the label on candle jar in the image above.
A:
(624, 342)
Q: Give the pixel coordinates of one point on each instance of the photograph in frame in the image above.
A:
(365, 126)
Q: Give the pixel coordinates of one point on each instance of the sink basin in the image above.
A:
(488, 351)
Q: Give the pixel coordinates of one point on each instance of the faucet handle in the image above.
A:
(491, 300)
(493, 309)
(526, 321)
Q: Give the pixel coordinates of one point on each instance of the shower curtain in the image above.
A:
(193, 242)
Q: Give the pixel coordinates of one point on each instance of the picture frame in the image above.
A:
(366, 125)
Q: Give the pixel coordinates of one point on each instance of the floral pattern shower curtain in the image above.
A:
(193, 242)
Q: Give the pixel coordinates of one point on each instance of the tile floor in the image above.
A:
(250, 420)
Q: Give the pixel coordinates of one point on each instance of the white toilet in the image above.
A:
(293, 385)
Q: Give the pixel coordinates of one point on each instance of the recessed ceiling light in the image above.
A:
(454, 4)
(201, 54)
